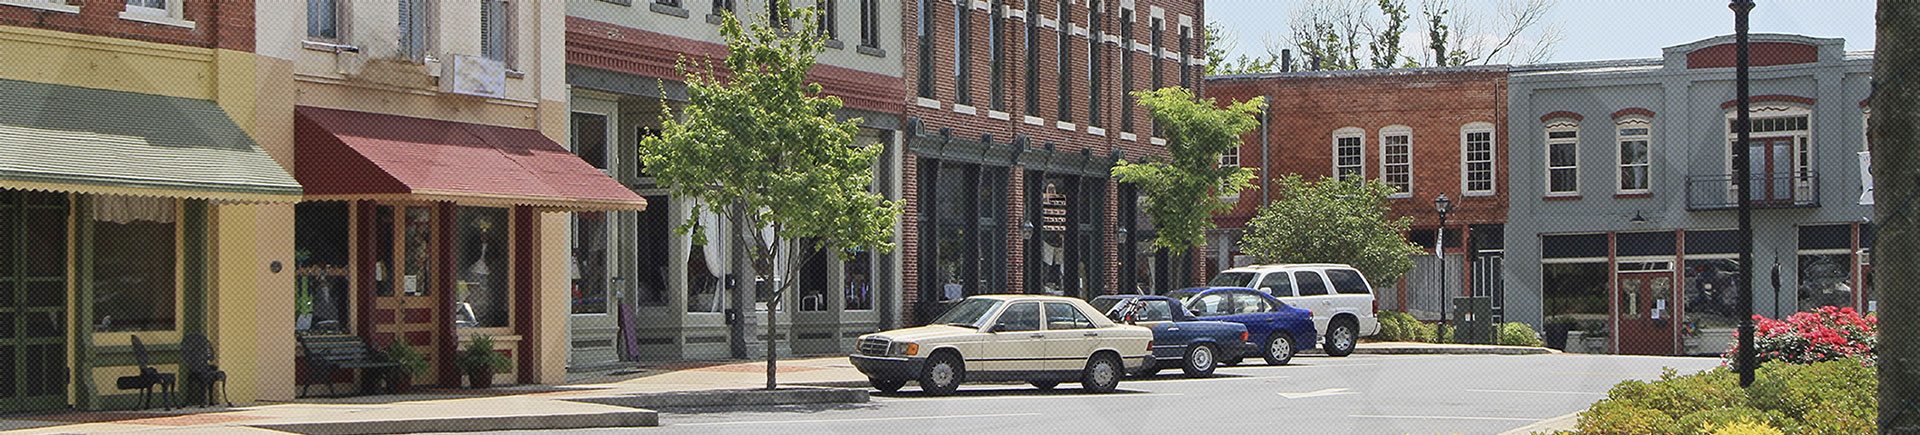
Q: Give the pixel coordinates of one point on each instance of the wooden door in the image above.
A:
(33, 301)
(1647, 313)
(405, 302)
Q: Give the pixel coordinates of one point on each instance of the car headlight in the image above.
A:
(904, 349)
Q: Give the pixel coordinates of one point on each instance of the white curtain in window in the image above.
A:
(129, 209)
(716, 250)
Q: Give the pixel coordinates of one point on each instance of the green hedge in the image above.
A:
(1837, 397)
(1518, 334)
(1398, 326)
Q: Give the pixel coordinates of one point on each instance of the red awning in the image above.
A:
(342, 154)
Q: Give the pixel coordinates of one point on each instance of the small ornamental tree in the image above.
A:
(1332, 221)
(1183, 194)
(761, 147)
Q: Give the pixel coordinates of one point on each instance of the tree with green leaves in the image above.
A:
(760, 146)
(1219, 42)
(1183, 193)
(1332, 221)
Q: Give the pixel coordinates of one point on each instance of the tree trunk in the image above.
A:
(773, 341)
(1897, 249)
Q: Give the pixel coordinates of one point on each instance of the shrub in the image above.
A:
(1518, 334)
(1835, 397)
(1827, 334)
(1398, 326)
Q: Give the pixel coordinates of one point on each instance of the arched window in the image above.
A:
(1635, 139)
(1349, 153)
(1563, 158)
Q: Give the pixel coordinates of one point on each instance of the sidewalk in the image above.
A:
(522, 407)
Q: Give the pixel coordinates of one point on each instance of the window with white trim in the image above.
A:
(1476, 158)
(1563, 159)
(168, 11)
(1635, 140)
(413, 29)
(496, 30)
(323, 19)
(1230, 158)
(1349, 153)
(1396, 159)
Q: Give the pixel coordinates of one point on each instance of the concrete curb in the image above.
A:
(754, 397)
(1444, 350)
(617, 418)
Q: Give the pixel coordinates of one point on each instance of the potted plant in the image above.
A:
(412, 364)
(479, 362)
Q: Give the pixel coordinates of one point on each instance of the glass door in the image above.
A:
(404, 295)
(33, 301)
(1646, 313)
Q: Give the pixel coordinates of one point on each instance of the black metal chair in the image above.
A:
(148, 378)
(197, 358)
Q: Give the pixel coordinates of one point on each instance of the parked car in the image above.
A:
(1179, 340)
(1337, 294)
(1043, 340)
(1281, 330)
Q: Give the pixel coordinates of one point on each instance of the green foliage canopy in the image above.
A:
(1183, 194)
(1332, 221)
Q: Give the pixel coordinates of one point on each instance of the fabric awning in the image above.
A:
(341, 154)
(82, 140)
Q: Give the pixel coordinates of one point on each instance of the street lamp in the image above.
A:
(1443, 206)
(1744, 178)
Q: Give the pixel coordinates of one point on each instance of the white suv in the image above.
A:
(1339, 297)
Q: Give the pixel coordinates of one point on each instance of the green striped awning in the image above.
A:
(82, 140)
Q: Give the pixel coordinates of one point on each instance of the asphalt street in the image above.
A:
(1360, 394)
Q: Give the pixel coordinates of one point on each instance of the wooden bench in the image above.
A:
(328, 354)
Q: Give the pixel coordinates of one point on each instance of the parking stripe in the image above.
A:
(1446, 417)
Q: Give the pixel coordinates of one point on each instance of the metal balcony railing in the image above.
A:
(1771, 190)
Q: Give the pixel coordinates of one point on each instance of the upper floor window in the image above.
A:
(1634, 139)
(997, 51)
(722, 6)
(870, 23)
(1095, 15)
(1230, 158)
(1155, 31)
(1032, 48)
(1779, 153)
(829, 19)
(323, 19)
(171, 12)
(674, 3)
(1186, 50)
(1349, 153)
(1476, 158)
(963, 52)
(496, 30)
(777, 15)
(1065, 61)
(413, 29)
(925, 29)
(1126, 70)
(1563, 159)
(1396, 159)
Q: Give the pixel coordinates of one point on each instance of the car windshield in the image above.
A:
(971, 313)
(1233, 279)
(1105, 304)
(1182, 295)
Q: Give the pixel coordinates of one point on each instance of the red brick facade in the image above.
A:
(644, 53)
(1095, 133)
(226, 24)
(1436, 104)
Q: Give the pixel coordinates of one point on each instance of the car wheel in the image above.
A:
(1045, 385)
(887, 385)
(1200, 361)
(1280, 348)
(1102, 374)
(942, 375)
(1341, 337)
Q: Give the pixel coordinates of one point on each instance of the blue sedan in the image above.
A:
(1196, 346)
(1282, 330)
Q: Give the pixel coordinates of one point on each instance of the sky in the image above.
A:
(1595, 29)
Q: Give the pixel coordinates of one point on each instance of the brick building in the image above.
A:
(1018, 111)
(1425, 131)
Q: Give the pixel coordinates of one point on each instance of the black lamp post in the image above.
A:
(1443, 206)
(1743, 177)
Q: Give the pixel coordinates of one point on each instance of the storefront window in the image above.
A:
(857, 280)
(1826, 281)
(383, 250)
(653, 234)
(1866, 282)
(418, 280)
(481, 294)
(320, 267)
(1712, 293)
(1575, 300)
(813, 286)
(704, 295)
(589, 268)
(134, 264)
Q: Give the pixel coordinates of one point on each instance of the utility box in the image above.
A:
(1473, 320)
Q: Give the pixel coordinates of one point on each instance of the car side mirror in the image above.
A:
(1267, 290)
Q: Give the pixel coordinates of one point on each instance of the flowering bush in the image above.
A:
(1828, 334)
